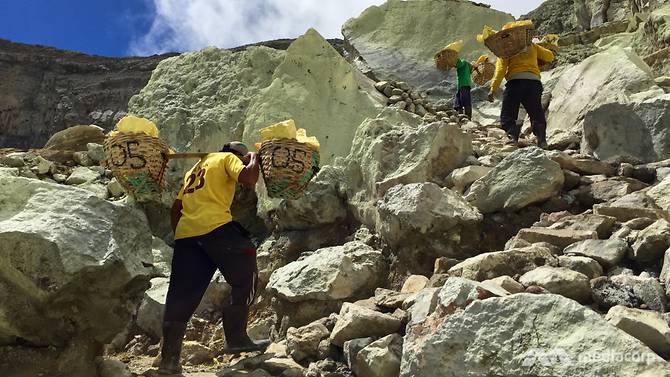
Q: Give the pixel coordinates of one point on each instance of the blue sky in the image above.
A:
(102, 27)
(144, 27)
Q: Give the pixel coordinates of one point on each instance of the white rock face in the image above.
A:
(358, 322)
(651, 243)
(549, 336)
(615, 75)
(70, 260)
(332, 273)
(199, 100)
(462, 178)
(637, 129)
(524, 177)
(560, 280)
(399, 38)
(81, 175)
(424, 214)
(648, 326)
(321, 91)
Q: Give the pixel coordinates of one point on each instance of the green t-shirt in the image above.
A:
(464, 68)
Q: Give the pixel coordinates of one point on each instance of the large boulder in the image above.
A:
(69, 260)
(607, 252)
(615, 75)
(512, 262)
(399, 38)
(549, 336)
(321, 91)
(559, 280)
(359, 322)
(199, 100)
(75, 138)
(661, 194)
(636, 129)
(396, 148)
(567, 16)
(316, 284)
(524, 177)
(437, 219)
(332, 273)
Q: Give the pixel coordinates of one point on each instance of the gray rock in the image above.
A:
(61, 244)
(557, 237)
(607, 294)
(82, 175)
(352, 347)
(44, 166)
(112, 368)
(380, 358)
(587, 266)
(9, 172)
(633, 129)
(502, 188)
(651, 243)
(332, 273)
(13, 160)
(424, 214)
(607, 252)
(421, 305)
(512, 262)
(508, 284)
(357, 322)
(559, 280)
(460, 179)
(414, 284)
(115, 189)
(303, 343)
(647, 326)
(545, 326)
(95, 152)
(648, 290)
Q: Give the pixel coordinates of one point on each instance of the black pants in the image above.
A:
(463, 101)
(194, 262)
(529, 94)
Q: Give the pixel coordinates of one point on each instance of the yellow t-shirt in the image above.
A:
(207, 193)
(524, 62)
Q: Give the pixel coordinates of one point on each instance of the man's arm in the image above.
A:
(175, 214)
(501, 71)
(544, 54)
(249, 175)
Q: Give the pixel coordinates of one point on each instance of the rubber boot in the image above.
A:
(541, 135)
(173, 336)
(468, 112)
(235, 328)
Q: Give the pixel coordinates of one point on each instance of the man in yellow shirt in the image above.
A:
(524, 87)
(207, 238)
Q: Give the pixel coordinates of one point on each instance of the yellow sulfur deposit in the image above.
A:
(287, 130)
(551, 39)
(133, 124)
(455, 46)
(525, 23)
(482, 59)
(487, 32)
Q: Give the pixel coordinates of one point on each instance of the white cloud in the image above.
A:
(185, 25)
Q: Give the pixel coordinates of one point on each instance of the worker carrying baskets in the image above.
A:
(518, 62)
(206, 236)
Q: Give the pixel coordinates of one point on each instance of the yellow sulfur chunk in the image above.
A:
(133, 124)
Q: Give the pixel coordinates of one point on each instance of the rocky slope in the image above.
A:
(425, 246)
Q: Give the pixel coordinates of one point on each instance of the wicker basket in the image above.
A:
(287, 167)
(484, 73)
(138, 162)
(510, 42)
(446, 59)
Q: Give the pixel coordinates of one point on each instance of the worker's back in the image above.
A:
(207, 193)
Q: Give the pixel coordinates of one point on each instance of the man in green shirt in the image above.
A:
(463, 100)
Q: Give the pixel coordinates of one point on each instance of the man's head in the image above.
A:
(235, 147)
